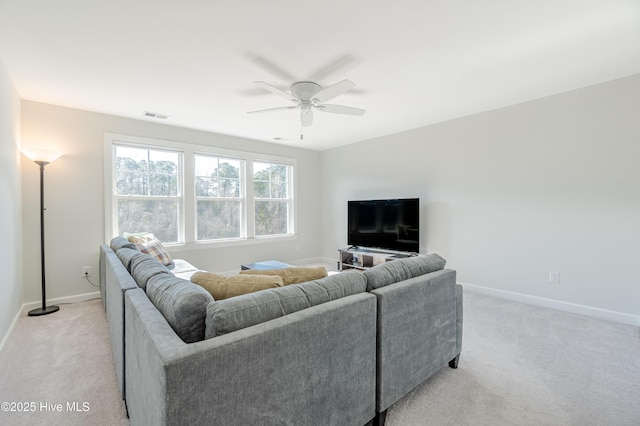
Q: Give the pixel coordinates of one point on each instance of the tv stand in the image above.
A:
(361, 258)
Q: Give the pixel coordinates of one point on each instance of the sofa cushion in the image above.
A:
(126, 256)
(222, 287)
(293, 275)
(226, 316)
(118, 242)
(183, 269)
(402, 269)
(149, 244)
(144, 267)
(182, 303)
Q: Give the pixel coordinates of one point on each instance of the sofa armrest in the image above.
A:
(311, 367)
(116, 282)
(104, 249)
(417, 332)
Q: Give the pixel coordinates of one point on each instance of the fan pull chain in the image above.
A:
(301, 135)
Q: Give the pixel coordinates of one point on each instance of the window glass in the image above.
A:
(218, 191)
(146, 172)
(158, 217)
(146, 190)
(217, 176)
(271, 183)
(149, 194)
(271, 217)
(218, 220)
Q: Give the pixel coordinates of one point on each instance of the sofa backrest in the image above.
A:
(144, 267)
(126, 256)
(228, 315)
(118, 242)
(182, 303)
(402, 269)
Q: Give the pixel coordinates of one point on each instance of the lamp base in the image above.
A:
(45, 311)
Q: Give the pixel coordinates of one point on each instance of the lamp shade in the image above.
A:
(42, 155)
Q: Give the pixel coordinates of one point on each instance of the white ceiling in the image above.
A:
(415, 62)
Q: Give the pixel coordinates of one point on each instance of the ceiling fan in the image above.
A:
(307, 96)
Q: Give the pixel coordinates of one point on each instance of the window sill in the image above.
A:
(204, 245)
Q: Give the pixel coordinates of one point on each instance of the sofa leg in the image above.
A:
(454, 362)
(380, 418)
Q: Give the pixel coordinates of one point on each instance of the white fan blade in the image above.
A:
(306, 117)
(271, 67)
(334, 90)
(341, 109)
(332, 67)
(277, 91)
(272, 109)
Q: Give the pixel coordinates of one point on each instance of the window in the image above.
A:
(219, 199)
(147, 193)
(271, 189)
(191, 194)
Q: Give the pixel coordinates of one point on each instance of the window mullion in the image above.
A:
(250, 207)
(189, 211)
(291, 224)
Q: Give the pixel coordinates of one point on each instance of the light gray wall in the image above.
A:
(10, 243)
(509, 195)
(75, 201)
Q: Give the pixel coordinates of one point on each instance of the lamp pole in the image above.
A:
(44, 310)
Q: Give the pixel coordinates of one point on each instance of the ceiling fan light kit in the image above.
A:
(307, 95)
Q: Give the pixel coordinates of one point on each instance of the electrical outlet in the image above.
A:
(86, 271)
(554, 277)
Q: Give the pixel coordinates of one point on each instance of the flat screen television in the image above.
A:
(392, 224)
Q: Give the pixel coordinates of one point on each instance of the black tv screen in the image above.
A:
(385, 224)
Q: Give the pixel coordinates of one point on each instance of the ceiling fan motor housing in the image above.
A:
(308, 95)
(305, 90)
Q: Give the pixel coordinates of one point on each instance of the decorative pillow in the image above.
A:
(226, 316)
(139, 237)
(293, 275)
(222, 287)
(148, 243)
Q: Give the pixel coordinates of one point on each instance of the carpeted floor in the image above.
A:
(58, 369)
(526, 365)
(520, 365)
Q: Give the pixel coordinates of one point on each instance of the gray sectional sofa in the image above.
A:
(419, 324)
(334, 351)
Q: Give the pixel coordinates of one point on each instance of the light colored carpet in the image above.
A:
(526, 365)
(520, 365)
(63, 358)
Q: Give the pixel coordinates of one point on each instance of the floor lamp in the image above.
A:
(42, 158)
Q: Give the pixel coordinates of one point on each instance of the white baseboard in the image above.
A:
(314, 261)
(619, 317)
(26, 307)
(329, 261)
(11, 327)
(62, 301)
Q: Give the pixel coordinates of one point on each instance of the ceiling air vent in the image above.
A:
(155, 115)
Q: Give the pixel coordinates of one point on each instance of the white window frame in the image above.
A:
(289, 200)
(242, 199)
(187, 210)
(178, 198)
